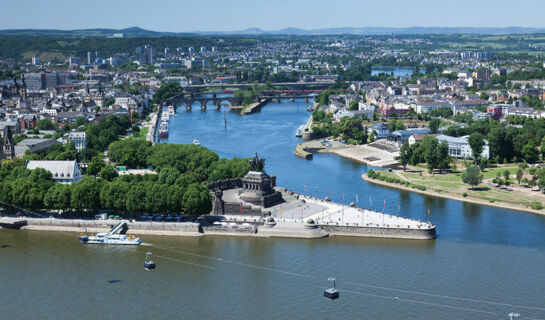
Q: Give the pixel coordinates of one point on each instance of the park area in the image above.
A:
(493, 190)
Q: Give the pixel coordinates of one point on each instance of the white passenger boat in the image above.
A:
(115, 236)
(163, 129)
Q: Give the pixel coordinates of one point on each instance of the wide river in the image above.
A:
(485, 263)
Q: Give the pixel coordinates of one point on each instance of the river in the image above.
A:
(485, 263)
(395, 71)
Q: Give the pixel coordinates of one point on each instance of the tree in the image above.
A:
(476, 142)
(86, 194)
(80, 121)
(429, 146)
(520, 173)
(472, 176)
(541, 184)
(506, 174)
(96, 164)
(404, 154)
(108, 173)
(433, 125)
(530, 152)
(45, 124)
(58, 197)
(483, 163)
(197, 200)
(353, 105)
(443, 158)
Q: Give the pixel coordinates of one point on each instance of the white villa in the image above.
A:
(62, 171)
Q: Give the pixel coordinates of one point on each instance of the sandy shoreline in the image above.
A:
(451, 197)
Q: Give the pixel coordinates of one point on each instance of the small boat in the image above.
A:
(148, 264)
(299, 132)
(112, 236)
(331, 293)
(196, 142)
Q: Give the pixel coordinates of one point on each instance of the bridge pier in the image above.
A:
(306, 99)
(218, 105)
(188, 105)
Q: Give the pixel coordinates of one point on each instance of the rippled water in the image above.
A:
(488, 254)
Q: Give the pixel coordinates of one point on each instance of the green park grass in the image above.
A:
(451, 184)
(141, 135)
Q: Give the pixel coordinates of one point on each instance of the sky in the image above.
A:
(231, 15)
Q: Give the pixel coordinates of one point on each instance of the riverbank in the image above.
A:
(453, 196)
(377, 225)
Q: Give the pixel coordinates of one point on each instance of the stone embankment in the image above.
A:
(94, 226)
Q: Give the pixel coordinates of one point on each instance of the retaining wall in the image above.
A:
(377, 232)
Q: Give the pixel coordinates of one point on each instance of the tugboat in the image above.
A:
(163, 130)
(111, 237)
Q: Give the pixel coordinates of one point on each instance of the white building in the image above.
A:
(127, 103)
(459, 147)
(367, 109)
(62, 171)
(78, 139)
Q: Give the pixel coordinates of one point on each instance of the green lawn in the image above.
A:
(141, 135)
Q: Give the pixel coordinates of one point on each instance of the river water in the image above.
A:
(485, 263)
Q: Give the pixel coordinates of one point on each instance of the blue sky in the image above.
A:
(225, 15)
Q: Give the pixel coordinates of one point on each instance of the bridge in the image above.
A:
(188, 98)
(292, 85)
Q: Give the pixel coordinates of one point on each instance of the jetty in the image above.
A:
(254, 107)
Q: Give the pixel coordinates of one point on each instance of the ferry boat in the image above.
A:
(196, 142)
(111, 237)
(163, 129)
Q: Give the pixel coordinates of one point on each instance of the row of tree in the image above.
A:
(178, 186)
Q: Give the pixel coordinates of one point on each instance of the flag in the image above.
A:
(329, 194)
(398, 207)
(428, 212)
(343, 196)
(370, 203)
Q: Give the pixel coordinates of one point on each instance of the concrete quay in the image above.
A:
(95, 226)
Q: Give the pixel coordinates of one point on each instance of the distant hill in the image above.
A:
(139, 32)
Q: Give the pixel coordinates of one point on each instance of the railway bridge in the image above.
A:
(188, 98)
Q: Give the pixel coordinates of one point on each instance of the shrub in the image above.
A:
(464, 194)
(507, 183)
(536, 205)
